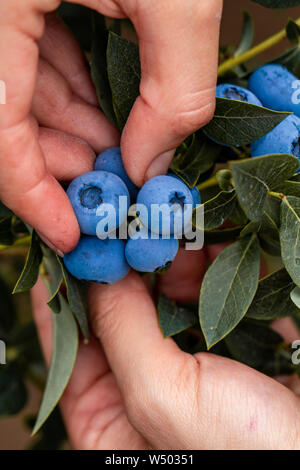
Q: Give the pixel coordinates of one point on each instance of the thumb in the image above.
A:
(179, 57)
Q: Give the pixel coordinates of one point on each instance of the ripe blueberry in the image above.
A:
(101, 261)
(168, 203)
(273, 85)
(150, 255)
(89, 193)
(194, 191)
(284, 138)
(111, 160)
(234, 92)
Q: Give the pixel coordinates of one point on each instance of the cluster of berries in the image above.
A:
(275, 87)
(101, 202)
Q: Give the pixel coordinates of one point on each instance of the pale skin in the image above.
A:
(131, 388)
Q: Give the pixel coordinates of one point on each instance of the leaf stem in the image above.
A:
(254, 51)
(277, 195)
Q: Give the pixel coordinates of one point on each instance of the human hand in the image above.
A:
(132, 389)
(177, 97)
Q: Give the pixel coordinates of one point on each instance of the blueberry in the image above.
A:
(284, 138)
(273, 85)
(89, 191)
(194, 191)
(150, 255)
(101, 261)
(111, 160)
(234, 92)
(168, 195)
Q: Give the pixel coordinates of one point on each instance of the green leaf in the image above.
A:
(99, 67)
(30, 271)
(238, 123)
(289, 236)
(124, 74)
(247, 34)
(13, 393)
(289, 188)
(217, 210)
(199, 157)
(65, 346)
(295, 296)
(260, 347)
(293, 32)
(228, 288)
(272, 299)
(278, 3)
(269, 245)
(174, 318)
(254, 177)
(77, 294)
(225, 235)
(54, 269)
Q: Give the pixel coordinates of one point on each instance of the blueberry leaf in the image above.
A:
(295, 296)
(76, 294)
(254, 177)
(228, 289)
(272, 299)
(199, 157)
(56, 278)
(237, 123)
(289, 236)
(260, 347)
(30, 271)
(65, 346)
(212, 237)
(99, 67)
(217, 210)
(174, 318)
(247, 34)
(124, 74)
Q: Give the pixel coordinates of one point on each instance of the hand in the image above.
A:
(179, 55)
(132, 389)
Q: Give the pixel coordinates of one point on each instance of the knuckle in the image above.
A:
(186, 122)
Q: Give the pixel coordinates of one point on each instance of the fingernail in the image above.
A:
(50, 245)
(160, 165)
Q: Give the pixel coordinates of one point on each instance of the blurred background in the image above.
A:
(14, 434)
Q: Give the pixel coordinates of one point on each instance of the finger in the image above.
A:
(120, 314)
(60, 49)
(66, 156)
(177, 92)
(182, 281)
(31, 192)
(91, 399)
(55, 106)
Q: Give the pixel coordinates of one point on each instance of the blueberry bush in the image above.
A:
(251, 198)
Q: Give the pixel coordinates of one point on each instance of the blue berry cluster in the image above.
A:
(106, 259)
(275, 87)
